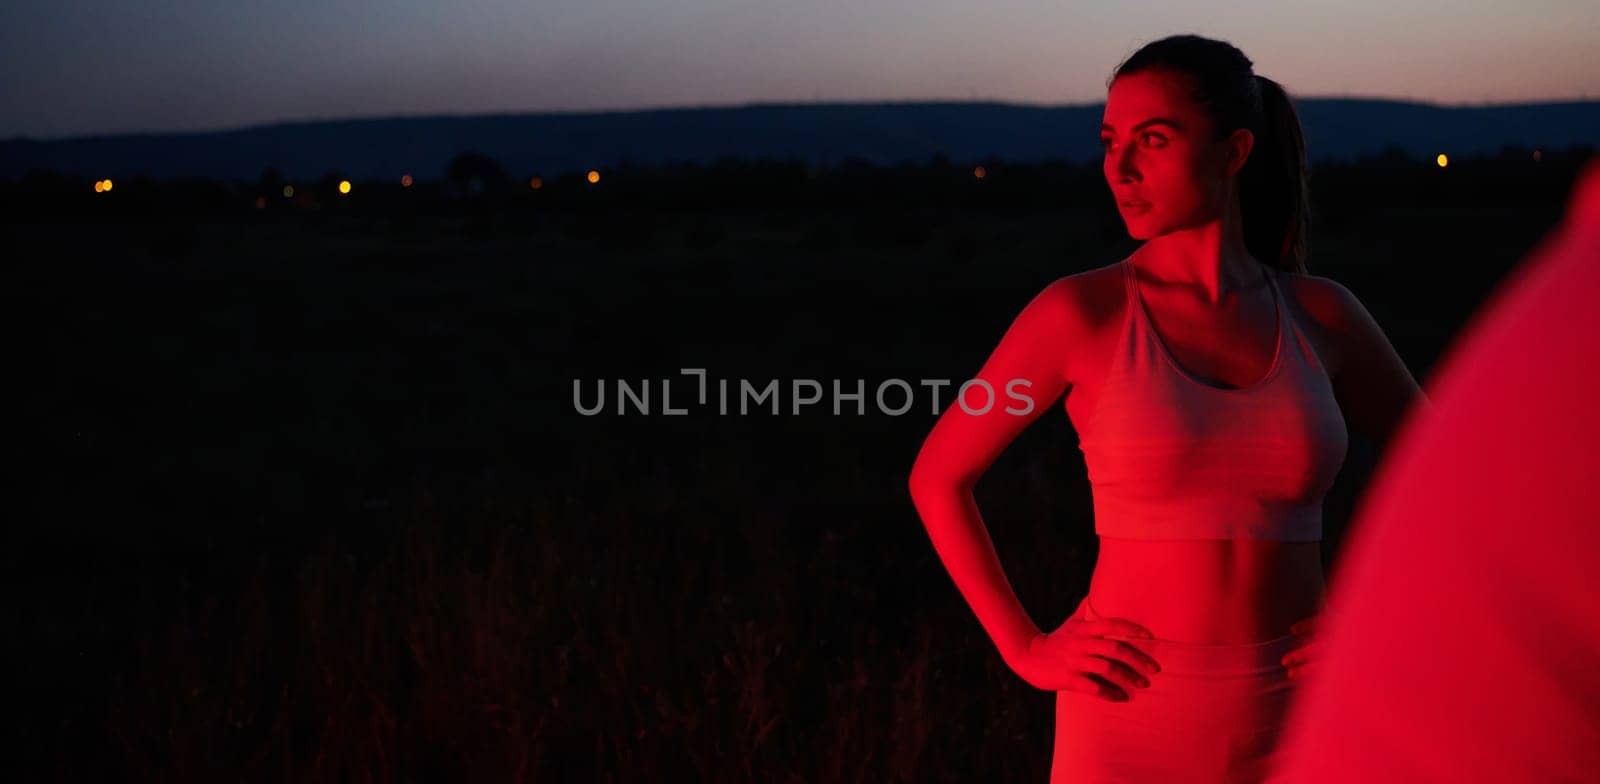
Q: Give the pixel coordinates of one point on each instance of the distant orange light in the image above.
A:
(1443, 160)
(979, 172)
(1538, 155)
(344, 186)
(288, 191)
(99, 185)
(594, 176)
(261, 202)
(405, 180)
(536, 183)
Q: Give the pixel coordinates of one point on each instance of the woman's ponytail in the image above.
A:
(1274, 195)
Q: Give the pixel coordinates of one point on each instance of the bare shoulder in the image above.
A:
(1082, 301)
(1330, 303)
(1095, 293)
(1341, 323)
(1089, 305)
(1324, 300)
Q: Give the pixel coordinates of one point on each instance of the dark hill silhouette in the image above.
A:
(822, 134)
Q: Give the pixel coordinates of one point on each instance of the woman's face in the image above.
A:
(1164, 171)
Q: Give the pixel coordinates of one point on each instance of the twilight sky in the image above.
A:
(84, 67)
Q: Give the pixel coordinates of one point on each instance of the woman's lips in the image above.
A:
(1134, 206)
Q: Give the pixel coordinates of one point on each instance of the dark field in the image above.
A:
(307, 496)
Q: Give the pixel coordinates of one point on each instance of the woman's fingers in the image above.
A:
(1094, 686)
(1297, 659)
(1310, 650)
(1108, 668)
(1119, 627)
(1304, 626)
(1112, 671)
(1119, 650)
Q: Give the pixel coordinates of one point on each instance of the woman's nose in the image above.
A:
(1122, 166)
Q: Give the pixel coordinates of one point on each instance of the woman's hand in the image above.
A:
(1301, 657)
(1076, 657)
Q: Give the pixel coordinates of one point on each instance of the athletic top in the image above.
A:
(1172, 457)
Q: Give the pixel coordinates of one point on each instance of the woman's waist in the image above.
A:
(1203, 689)
(1208, 592)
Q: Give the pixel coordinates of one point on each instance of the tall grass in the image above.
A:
(664, 633)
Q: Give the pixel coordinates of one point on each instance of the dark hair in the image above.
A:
(1274, 197)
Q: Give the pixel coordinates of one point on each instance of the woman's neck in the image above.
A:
(1210, 258)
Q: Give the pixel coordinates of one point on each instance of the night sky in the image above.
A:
(84, 67)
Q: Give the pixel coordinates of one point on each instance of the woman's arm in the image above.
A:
(962, 445)
(1374, 388)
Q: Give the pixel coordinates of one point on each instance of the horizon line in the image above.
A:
(750, 104)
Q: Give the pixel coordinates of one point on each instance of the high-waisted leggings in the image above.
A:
(1214, 713)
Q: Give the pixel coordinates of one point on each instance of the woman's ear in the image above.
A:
(1239, 145)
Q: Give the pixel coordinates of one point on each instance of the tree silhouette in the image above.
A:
(472, 175)
(271, 180)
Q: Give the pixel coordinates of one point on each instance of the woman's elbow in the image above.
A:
(927, 478)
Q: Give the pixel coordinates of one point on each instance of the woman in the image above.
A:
(1210, 380)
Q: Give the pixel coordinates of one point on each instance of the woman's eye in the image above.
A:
(1161, 141)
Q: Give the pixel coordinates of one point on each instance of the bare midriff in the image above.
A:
(1217, 592)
